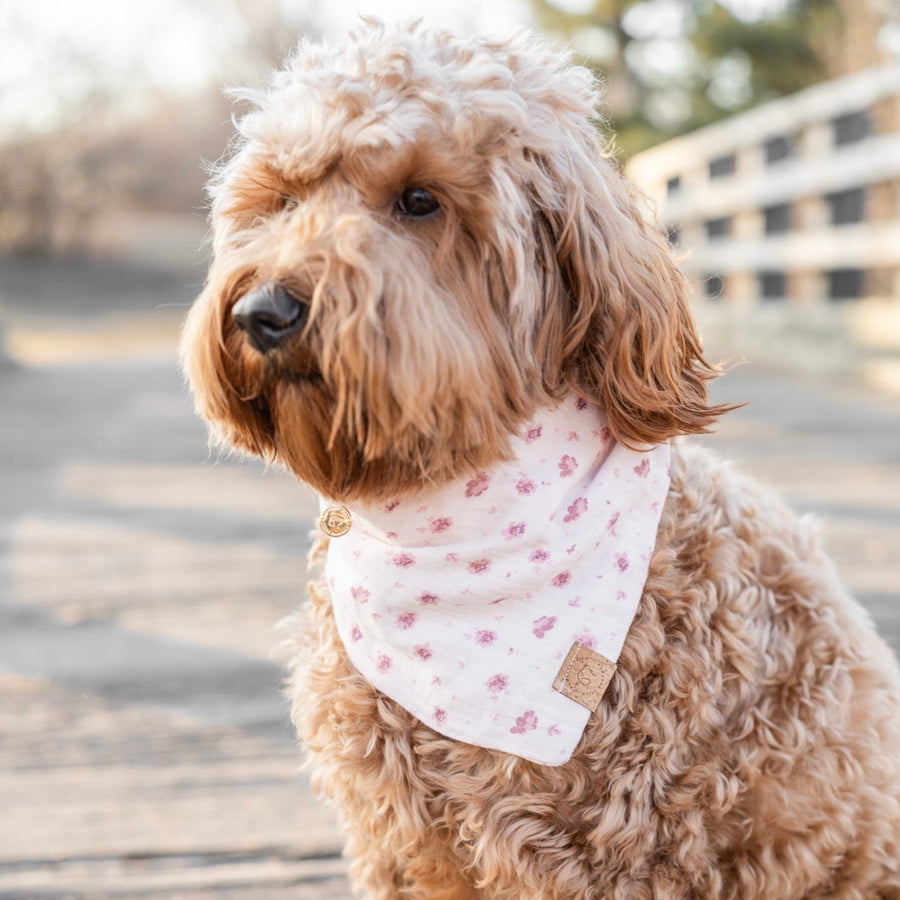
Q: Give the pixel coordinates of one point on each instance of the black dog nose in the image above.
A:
(269, 314)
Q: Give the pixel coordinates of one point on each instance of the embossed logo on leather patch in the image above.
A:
(335, 521)
(584, 676)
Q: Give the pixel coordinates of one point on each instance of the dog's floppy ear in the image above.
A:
(617, 327)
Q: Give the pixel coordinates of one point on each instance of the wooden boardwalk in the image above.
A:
(144, 744)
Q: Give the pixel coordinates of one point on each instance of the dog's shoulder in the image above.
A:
(733, 546)
(709, 491)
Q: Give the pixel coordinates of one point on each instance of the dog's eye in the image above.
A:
(417, 203)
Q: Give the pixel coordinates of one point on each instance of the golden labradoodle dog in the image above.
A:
(550, 651)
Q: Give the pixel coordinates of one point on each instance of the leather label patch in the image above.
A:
(584, 676)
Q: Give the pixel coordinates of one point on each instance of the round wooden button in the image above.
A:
(335, 521)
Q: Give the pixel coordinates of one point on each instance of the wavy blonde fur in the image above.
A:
(748, 747)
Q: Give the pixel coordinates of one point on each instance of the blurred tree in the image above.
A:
(671, 66)
(100, 142)
(601, 34)
(862, 38)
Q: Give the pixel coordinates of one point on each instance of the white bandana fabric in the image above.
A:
(462, 602)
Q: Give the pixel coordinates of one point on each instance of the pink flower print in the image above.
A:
(404, 560)
(526, 722)
(355, 634)
(611, 525)
(384, 663)
(498, 684)
(406, 620)
(426, 598)
(621, 560)
(573, 436)
(587, 639)
(391, 505)
(620, 597)
(605, 434)
(485, 638)
(533, 433)
(580, 404)
(478, 485)
(538, 556)
(440, 715)
(553, 730)
(438, 526)
(423, 651)
(359, 594)
(562, 579)
(543, 625)
(479, 566)
(567, 466)
(525, 486)
(642, 468)
(576, 510)
(513, 530)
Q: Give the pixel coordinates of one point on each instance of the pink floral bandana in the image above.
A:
(465, 603)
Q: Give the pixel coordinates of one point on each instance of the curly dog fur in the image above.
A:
(748, 745)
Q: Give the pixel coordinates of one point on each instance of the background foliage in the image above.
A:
(671, 66)
(104, 144)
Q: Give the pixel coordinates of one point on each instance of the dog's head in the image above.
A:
(417, 241)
